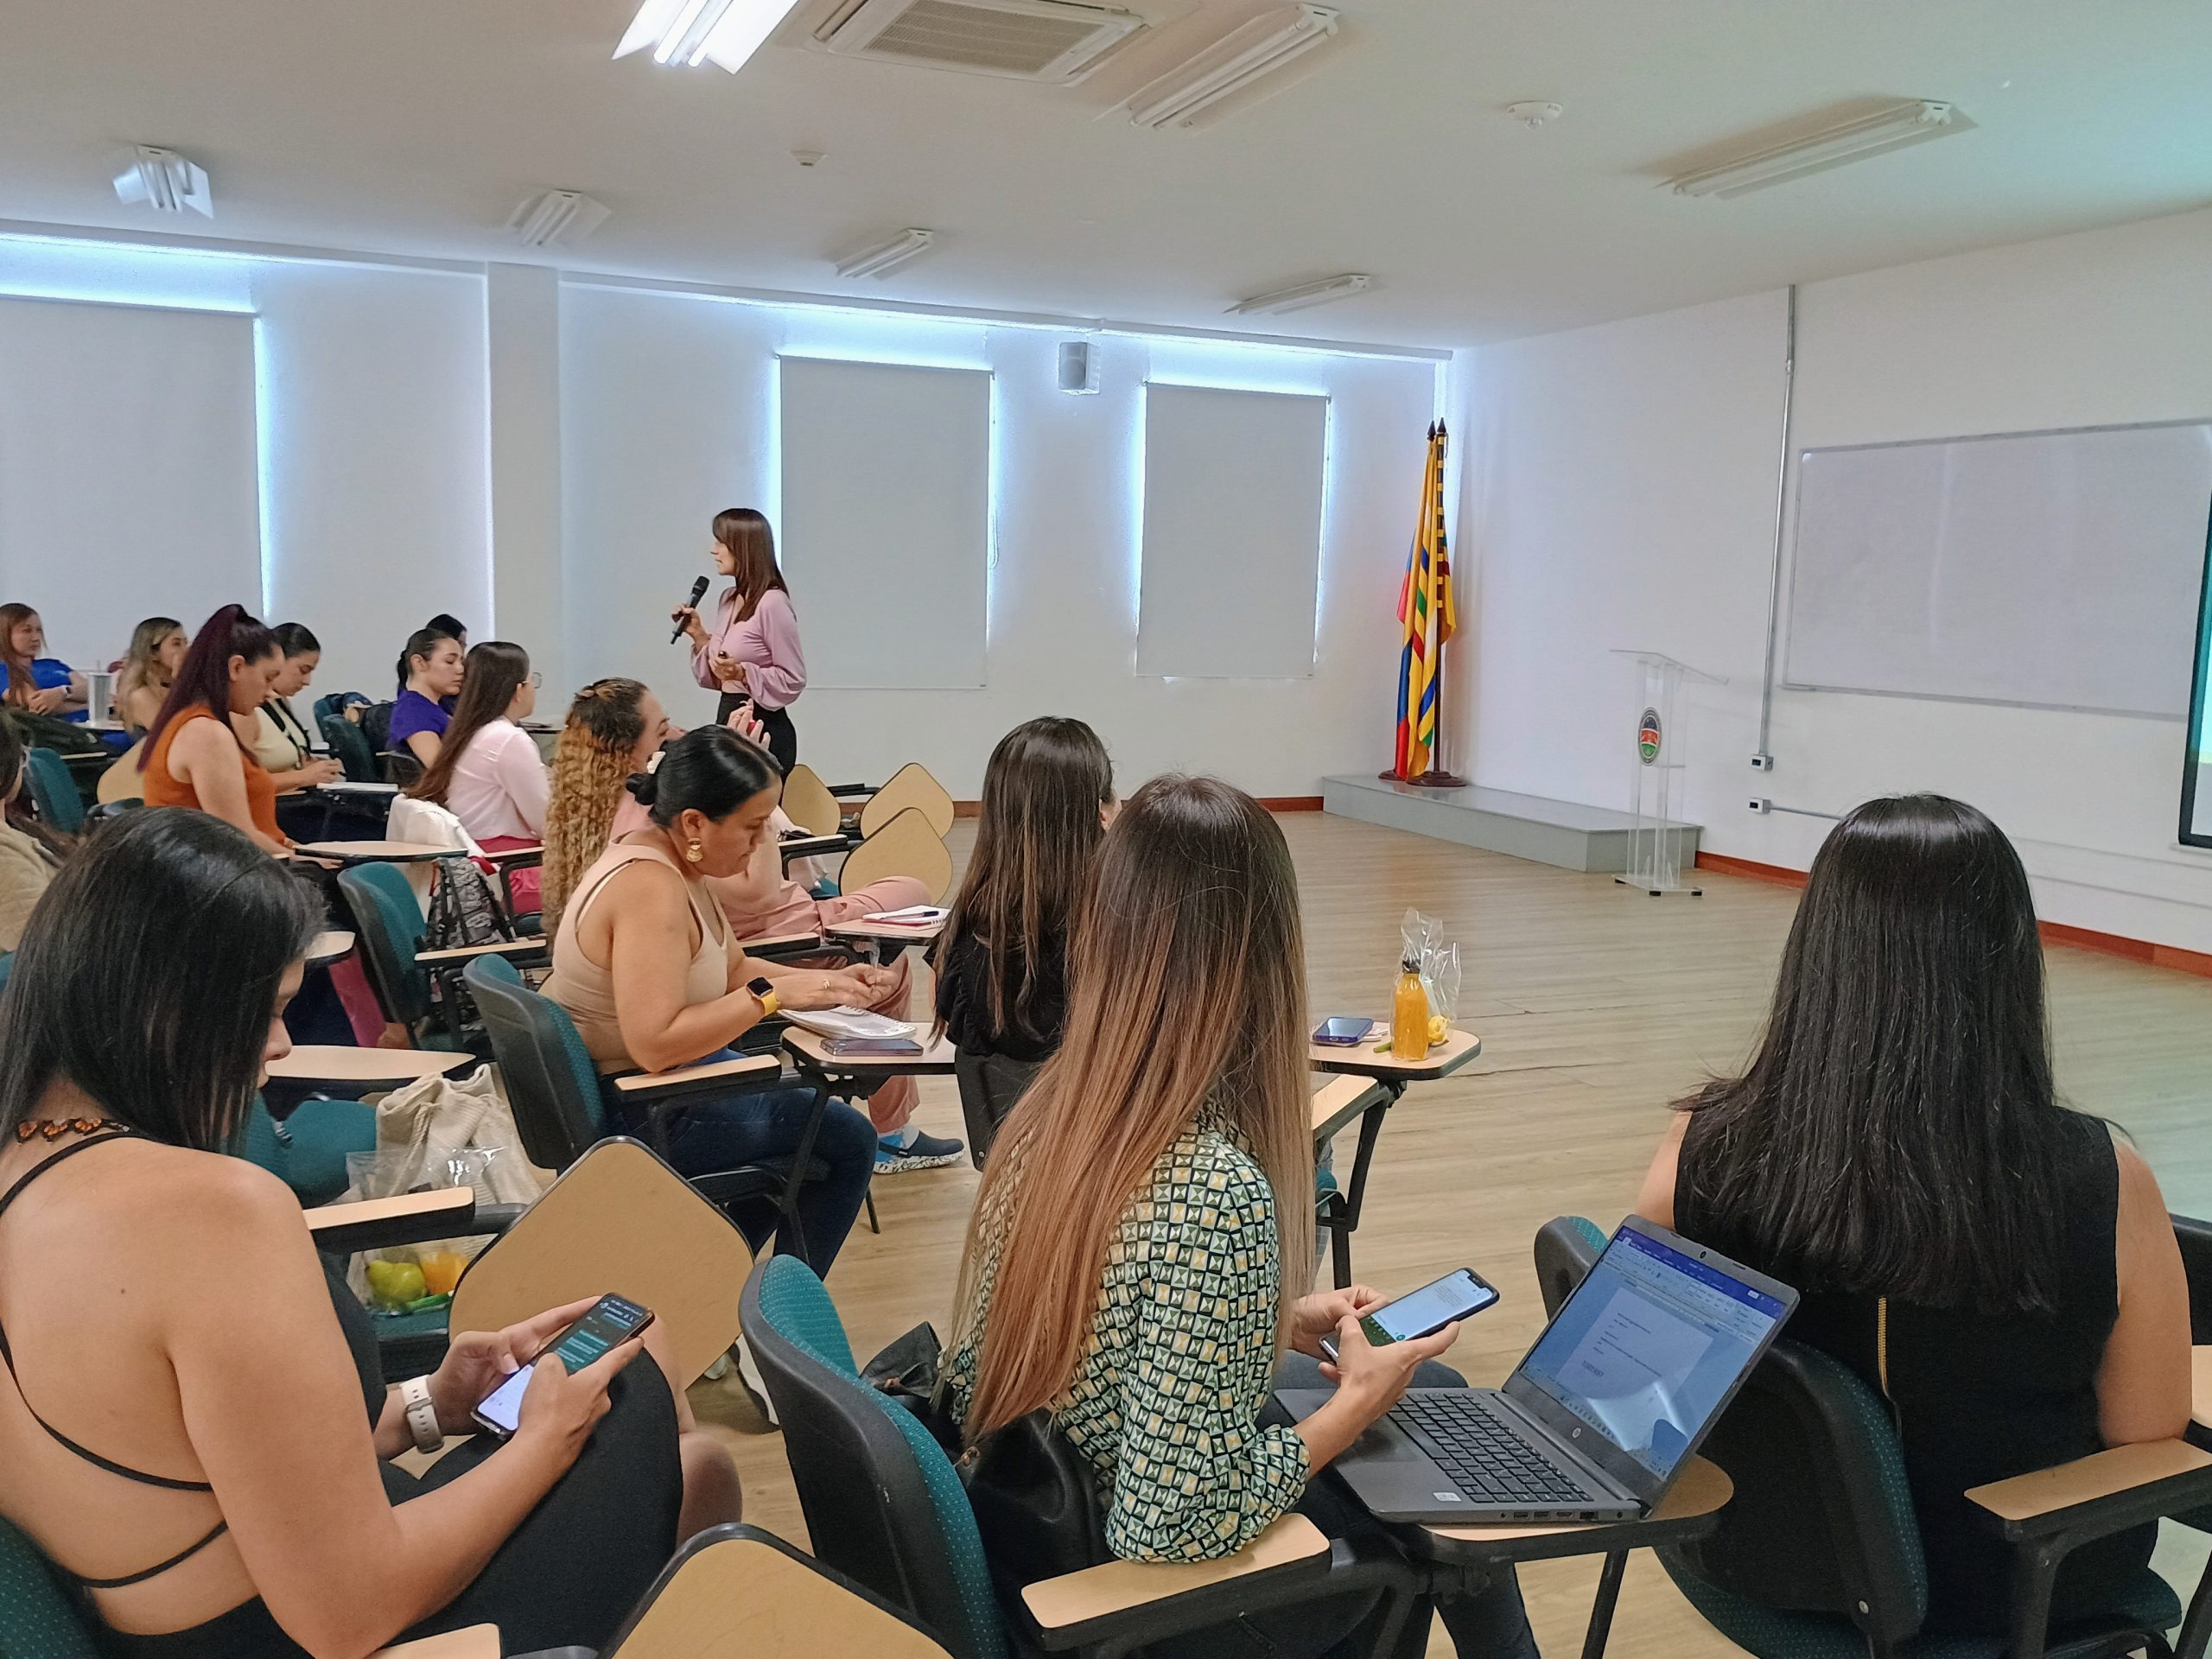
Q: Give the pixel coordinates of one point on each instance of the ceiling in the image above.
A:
(415, 126)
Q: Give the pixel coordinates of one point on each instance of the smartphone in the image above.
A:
(1341, 1032)
(608, 1323)
(1427, 1311)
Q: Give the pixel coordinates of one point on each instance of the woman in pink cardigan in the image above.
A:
(751, 654)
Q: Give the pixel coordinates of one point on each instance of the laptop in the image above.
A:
(1602, 1414)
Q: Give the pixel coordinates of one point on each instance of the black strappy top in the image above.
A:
(360, 1340)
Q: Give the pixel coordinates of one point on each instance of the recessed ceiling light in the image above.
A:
(1912, 122)
(883, 257)
(690, 32)
(556, 217)
(1302, 297)
(164, 181)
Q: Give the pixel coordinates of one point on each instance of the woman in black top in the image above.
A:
(193, 1426)
(2000, 1267)
(1001, 964)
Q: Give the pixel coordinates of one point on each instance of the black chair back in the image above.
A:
(2194, 1238)
(552, 1084)
(990, 1085)
(1566, 1247)
(387, 922)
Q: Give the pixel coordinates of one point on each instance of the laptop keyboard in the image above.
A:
(1485, 1460)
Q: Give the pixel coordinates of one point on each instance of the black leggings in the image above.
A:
(775, 725)
(568, 1576)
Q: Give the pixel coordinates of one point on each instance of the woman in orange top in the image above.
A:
(194, 755)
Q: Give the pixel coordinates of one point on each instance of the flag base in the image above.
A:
(1432, 779)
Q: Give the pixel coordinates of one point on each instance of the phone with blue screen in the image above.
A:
(1425, 1312)
(607, 1323)
(1340, 1031)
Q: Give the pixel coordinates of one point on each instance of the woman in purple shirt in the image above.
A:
(751, 654)
(432, 662)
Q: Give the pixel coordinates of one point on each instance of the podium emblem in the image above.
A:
(1647, 736)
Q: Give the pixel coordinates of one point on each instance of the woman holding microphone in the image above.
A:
(751, 652)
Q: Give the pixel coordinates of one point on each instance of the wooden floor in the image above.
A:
(1597, 1006)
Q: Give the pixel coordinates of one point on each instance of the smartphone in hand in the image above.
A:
(1425, 1312)
(607, 1323)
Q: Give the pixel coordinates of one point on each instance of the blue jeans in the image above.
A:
(712, 1132)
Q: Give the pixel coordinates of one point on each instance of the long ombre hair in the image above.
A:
(495, 671)
(751, 543)
(1037, 837)
(141, 669)
(18, 664)
(1188, 981)
(591, 767)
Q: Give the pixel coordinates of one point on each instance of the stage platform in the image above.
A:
(1592, 839)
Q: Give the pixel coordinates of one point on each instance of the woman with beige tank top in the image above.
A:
(647, 967)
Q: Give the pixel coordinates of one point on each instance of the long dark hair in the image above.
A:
(1036, 837)
(203, 679)
(18, 664)
(422, 643)
(179, 919)
(1898, 1132)
(295, 639)
(711, 771)
(495, 670)
(752, 544)
(1189, 983)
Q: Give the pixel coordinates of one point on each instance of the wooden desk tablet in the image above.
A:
(347, 788)
(810, 847)
(384, 1067)
(2200, 1394)
(375, 852)
(900, 934)
(328, 946)
(1362, 1061)
(811, 1052)
(1341, 1101)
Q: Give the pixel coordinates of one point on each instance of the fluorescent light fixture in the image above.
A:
(1912, 122)
(884, 257)
(164, 180)
(1304, 295)
(691, 31)
(1231, 63)
(555, 217)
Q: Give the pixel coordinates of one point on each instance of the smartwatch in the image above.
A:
(764, 992)
(422, 1414)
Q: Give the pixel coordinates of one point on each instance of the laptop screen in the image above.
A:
(1653, 1343)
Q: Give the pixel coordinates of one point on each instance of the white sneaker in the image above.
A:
(756, 1386)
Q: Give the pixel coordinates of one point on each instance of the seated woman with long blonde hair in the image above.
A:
(1146, 1222)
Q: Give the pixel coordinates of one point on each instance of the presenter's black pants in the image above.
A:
(775, 724)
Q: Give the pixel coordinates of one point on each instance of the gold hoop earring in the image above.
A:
(694, 853)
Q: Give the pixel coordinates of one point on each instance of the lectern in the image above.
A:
(1659, 838)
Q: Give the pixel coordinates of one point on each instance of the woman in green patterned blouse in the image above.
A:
(1124, 1269)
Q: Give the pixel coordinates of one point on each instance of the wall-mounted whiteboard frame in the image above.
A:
(1234, 507)
(886, 532)
(129, 466)
(1980, 568)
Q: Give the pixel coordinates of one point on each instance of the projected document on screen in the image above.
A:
(2196, 761)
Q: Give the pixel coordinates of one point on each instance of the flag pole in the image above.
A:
(1437, 776)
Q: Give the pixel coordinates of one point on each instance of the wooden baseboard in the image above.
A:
(2082, 938)
(967, 809)
(1291, 803)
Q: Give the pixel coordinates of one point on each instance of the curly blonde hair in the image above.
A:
(591, 766)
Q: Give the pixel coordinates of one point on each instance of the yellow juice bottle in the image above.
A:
(1409, 1015)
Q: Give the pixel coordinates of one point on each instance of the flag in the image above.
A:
(1426, 615)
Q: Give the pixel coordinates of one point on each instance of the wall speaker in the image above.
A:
(1078, 366)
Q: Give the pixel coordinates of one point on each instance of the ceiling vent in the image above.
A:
(1024, 39)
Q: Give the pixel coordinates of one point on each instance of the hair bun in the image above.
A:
(645, 788)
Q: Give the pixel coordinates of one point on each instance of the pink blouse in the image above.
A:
(766, 642)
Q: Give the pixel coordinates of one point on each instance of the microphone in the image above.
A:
(698, 593)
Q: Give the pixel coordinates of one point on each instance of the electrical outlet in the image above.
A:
(1760, 804)
(1761, 763)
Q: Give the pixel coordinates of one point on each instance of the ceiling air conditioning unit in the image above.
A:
(1024, 39)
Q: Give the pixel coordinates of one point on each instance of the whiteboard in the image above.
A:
(886, 537)
(2050, 569)
(1233, 484)
(128, 469)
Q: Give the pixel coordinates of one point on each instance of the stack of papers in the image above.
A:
(848, 1023)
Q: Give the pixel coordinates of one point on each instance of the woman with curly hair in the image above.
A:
(615, 728)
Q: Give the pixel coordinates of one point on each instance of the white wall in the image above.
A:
(667, 414)
(1620, 492)
(375, 504)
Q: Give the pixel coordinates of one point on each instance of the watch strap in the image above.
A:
(422, 1413)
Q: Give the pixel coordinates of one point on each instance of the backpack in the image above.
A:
(462, 911)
